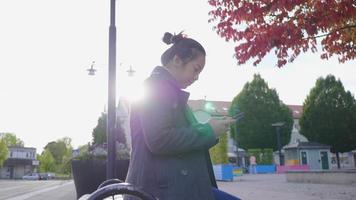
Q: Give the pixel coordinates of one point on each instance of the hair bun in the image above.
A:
(168, 38)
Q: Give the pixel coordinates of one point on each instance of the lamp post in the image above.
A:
(111, 117)
(237, 147)
(237, 115)
(278, 126)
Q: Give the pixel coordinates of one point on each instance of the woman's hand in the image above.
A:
(222, 125)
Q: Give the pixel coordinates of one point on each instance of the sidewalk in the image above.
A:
(275, 187)
(59, 191)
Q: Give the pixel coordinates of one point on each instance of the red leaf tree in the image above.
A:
(287, 27)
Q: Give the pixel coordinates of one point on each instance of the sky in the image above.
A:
(46, 46)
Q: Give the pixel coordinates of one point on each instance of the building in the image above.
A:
(312, 154)
(20, 161)
(301, 153)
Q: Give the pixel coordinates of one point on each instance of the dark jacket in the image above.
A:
(169, 157)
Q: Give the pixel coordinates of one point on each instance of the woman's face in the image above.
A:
(187, 73)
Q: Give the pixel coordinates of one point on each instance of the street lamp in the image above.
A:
(111, 117)
(130, 71)
(91, 70)
(278, 126)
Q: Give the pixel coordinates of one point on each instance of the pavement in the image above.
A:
(37, 190)
(276, 187)
(246, 187)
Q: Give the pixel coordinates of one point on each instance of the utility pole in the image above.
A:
(111, 117)
(278, 126)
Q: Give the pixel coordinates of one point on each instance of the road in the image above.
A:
(247, 187)
(37, 190)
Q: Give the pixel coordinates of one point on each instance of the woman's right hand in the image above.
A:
(222, 125)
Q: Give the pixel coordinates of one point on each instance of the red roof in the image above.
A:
(296, 110)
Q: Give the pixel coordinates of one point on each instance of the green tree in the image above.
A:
(219, 152)
(329, 116)
(57, 150)
(83, 149)
(3, 151)
(11, 140)
(262, 108)
(47, 162)
(99, 132)
(263, 156)
(61, 151)
(66, 167)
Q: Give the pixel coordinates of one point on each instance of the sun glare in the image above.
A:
(132, 90)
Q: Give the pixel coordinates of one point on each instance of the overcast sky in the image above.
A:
(47, 45)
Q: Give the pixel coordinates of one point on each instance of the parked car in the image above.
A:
(32, 176)
(47, 176)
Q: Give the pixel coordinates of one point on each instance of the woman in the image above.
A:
(169, 157)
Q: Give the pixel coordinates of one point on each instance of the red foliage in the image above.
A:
(287, 27)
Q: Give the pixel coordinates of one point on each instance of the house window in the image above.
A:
(304, 158)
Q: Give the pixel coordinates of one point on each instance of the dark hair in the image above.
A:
(186, 48)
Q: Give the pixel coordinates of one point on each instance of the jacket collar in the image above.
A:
(162, 73)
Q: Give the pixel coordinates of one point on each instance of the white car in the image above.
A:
(32, 176)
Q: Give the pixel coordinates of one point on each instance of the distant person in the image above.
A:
(170, 157)
(253, 164)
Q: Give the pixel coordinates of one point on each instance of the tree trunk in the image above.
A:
(338, 160)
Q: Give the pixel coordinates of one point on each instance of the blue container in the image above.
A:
(237, 171)
(262, 169)
(223, 172)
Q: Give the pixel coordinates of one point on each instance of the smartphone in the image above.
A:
(238, 115)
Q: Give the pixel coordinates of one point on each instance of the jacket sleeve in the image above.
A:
(160, 131)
